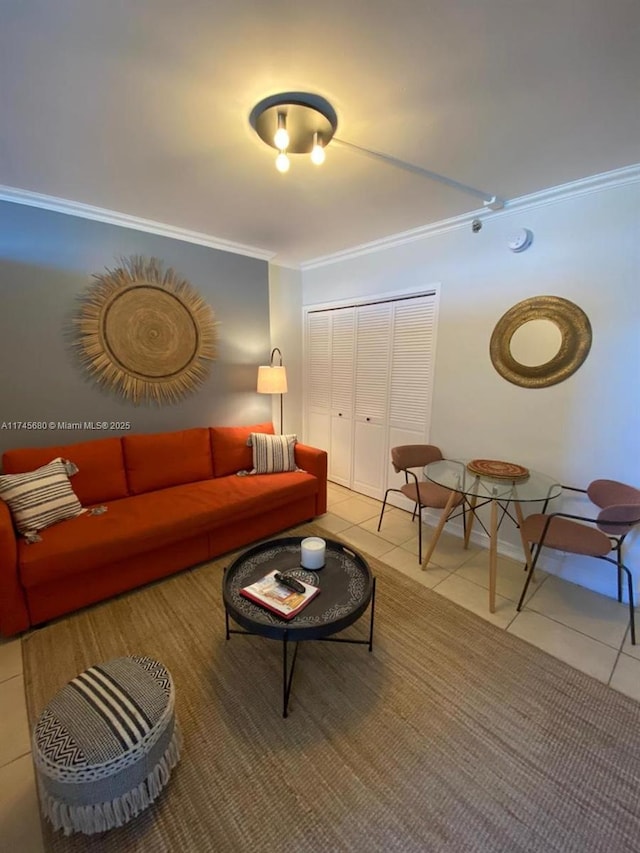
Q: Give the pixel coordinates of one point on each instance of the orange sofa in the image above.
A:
(173, 500)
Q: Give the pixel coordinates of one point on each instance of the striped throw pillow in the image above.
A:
(39, 498)
(273, 454)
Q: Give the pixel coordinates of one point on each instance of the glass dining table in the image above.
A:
(505, 497)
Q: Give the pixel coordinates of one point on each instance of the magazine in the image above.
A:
(277, 597)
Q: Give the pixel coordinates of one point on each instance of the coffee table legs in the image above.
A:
(287, 674)
(373, 612)
(289, 668)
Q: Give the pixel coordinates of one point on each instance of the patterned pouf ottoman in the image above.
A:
(105, 745)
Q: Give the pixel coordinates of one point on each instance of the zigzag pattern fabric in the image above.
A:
(55, 742)
(40, 498)
(273, 454)
(157, 670)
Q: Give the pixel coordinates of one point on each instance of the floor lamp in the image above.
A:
(272, 379)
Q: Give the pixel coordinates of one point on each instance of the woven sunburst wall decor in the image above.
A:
(146, 332)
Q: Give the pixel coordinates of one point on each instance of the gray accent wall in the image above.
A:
(47, 260)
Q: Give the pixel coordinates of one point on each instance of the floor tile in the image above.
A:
(586, 611)
(363, 540)
(627, 648)
(337, 489)
(450, 552)
(334, 500)
(475, 598)
(626, 676)
(14, 731)
(356, 510)
(407, 563)
(396, 527)
(510, 576)
(332, 523)
(19, 812)
(570, 646)
(10, 659)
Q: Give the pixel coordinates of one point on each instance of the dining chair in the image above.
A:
(618, 510)
(405, 458)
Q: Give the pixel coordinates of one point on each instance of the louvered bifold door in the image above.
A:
(411, 380)
(373, 341)
(317, 390)
(342, 395)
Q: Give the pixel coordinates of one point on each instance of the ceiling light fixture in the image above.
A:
(303, 123)
(295, 123)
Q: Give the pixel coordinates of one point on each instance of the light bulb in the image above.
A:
(281, 137)
(282, 162)
(317, 152)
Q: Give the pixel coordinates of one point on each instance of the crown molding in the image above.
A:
(595, 183)
(124, 220)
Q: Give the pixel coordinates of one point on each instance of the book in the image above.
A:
(277, 597)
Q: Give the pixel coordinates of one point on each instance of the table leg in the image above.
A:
(373, 611)
(525, 544)
(287, 674)
(471, 517)
(285, 692)
(493, 556)
(446, 512)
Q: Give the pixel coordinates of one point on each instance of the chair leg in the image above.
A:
(529, 575)
(632, 615)
(384, 504)
(420, 535)
(619, 556)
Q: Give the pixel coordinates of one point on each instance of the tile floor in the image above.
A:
(584, 629)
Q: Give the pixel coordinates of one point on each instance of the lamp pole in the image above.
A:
(271, 364)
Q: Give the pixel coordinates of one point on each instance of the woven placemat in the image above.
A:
(497, 469)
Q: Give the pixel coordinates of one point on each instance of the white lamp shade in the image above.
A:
(272, 380)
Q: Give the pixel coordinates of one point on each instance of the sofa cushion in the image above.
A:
(38, 499)
(155, 520)
(167, 459)
(230, 450)
(100, 466)
(272, 454)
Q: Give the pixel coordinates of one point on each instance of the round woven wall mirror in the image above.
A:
(554, 328)
(145, 332)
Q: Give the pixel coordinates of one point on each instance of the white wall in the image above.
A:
(586, 249)
(285, 308)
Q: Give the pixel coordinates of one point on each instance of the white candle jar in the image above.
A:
(312, 552)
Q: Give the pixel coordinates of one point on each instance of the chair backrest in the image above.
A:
(618, 502)
(414, 456)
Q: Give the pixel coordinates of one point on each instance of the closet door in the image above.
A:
(317, 380)
(411, 380)
(372, 370)
(368, 388)
(342, 390)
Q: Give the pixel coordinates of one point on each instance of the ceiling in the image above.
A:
(142, 106)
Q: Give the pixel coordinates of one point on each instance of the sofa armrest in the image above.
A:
(314, 461)
(14, 616)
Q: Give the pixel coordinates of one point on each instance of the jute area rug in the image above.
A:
(451, 736)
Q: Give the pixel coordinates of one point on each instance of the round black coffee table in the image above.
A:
(346, 589)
